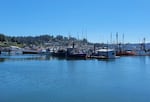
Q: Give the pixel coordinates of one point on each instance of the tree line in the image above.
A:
(36, 40)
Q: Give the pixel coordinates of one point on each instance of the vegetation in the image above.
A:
(2, 37)
(37, 40)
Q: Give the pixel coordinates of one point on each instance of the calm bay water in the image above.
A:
(46, 79)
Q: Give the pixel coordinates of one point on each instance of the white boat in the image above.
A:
(15, 50)
(12, 50)
(106, 53)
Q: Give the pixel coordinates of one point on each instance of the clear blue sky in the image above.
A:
(95, 18)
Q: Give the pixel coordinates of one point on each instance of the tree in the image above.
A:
(59, 37)
(2, 38)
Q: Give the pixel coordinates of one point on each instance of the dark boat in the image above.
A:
(59, 53)
(72, 53)
(77, 56)
(30, 52)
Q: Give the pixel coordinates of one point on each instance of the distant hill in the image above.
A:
(39, 40)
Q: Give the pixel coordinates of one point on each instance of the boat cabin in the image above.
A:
(106, 53)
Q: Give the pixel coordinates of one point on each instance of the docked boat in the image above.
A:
(59, 53)
(105, 54)
(30, 51)
(126, 53)
(75, 53)
(142, 53)
(14, 50)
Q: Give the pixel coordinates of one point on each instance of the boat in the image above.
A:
(142, 53)
(126, 53)
(142, 49)
(105, 54)
(59, 53)
(12, 50)
(45, 52)
(75, 53)
(30, 52)
(15, 50)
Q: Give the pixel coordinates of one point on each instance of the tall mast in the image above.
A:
(82, 33)
(144, 39)
(123, 38)
(117, 41)
(117, 38)
(86, 34)
(123, 42)
(111, 38)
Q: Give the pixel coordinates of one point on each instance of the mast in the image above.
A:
(117, 41)
(123, 42)
(144, 39)
(117, 38)
(86, 34)
(111, 38)
(123, 38)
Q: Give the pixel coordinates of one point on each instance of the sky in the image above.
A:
(95, 20)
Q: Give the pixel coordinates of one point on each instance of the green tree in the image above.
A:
(2, 38)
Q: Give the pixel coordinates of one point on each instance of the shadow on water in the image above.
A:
(43, 58)
(68, 58)
(107, 60)
(2, 60)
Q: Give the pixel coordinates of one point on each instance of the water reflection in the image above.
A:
(33, 57)
(2, 59)
(25, 57)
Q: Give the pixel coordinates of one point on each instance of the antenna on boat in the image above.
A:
(117, 38)
(111, 38)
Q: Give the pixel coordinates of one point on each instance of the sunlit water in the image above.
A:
(44, 79)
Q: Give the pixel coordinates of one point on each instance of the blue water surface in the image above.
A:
(36, 78)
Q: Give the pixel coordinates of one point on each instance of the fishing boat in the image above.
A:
(142, 53)
(75, 53)
(126, 53)
(59, 53)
